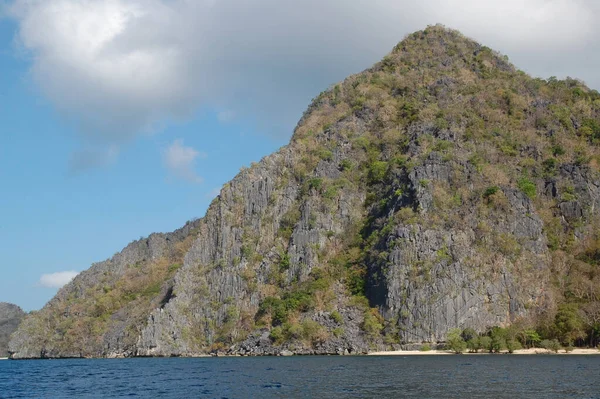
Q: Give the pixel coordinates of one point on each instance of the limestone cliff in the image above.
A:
(10, 317)
(440, 188)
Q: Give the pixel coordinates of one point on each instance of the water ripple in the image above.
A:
(509, 377)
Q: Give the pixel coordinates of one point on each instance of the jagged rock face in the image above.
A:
(441, 188)
(83, 319)
(436, 279)
(10, 318)
(239, 244)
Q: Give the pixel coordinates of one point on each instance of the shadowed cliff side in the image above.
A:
(10, 318)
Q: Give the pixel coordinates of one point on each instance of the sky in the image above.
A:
(119, 118)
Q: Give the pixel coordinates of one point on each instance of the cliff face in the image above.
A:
(10, 317)
(441, 188)
(102, 310)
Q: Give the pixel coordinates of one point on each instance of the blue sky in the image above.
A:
(119, 118)
(54, 219)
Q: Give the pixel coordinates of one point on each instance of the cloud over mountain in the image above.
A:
(181, 161)
(119, 68)
(57, 280)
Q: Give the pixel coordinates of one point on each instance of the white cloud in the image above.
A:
(115, 67)
(57, 280)
(517, 23)
(118, 68)
(181, 161)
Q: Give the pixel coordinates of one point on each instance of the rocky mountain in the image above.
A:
(441, 188)
(10, 317)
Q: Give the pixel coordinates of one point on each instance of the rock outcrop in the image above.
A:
(10, 318)
(441, 188)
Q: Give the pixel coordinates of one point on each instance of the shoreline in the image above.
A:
(433, 352)
(521, 352)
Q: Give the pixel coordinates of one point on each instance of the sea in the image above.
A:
(458, 376)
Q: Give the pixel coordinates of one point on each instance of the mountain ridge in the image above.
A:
(439, 189)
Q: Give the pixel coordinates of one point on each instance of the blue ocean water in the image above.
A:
(501, 376)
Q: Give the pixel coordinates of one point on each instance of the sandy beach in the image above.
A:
(532, 351)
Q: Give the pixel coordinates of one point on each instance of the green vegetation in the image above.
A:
(377, 171)
(490, 191)
(287, 225)
(300, 299)
(372, 323)
(345, 165)
(455, 341)
(284, 262)
(551, 345)
(308, 331)
(336, 316)
(562, 334)
(474, 344)
(528, 187)
(280, 308)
